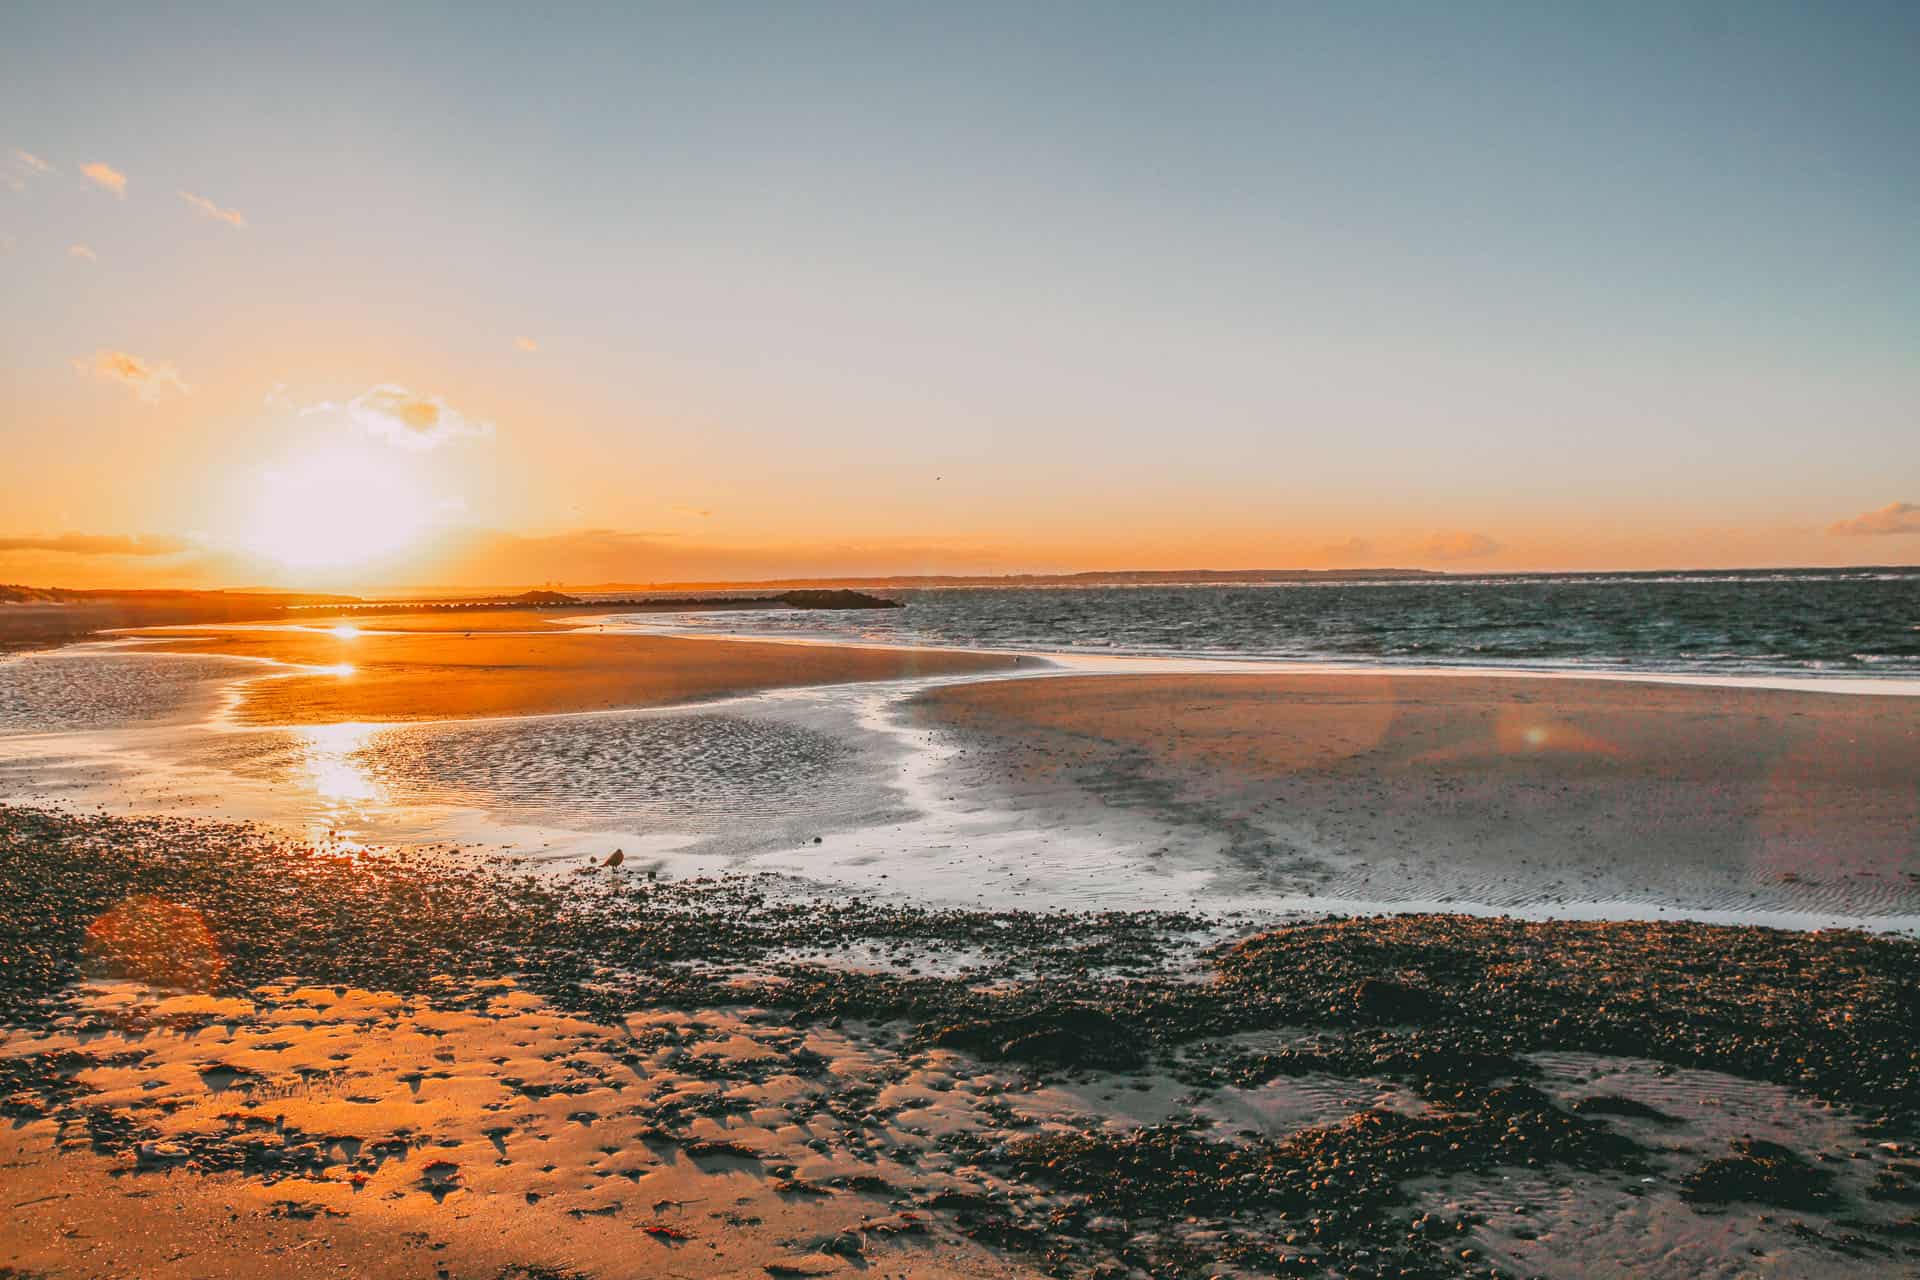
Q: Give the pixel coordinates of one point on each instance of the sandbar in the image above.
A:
(377, 676)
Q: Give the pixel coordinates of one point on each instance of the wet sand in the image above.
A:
(498, 668)
(1498, 791)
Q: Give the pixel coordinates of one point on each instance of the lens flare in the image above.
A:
(160, 943)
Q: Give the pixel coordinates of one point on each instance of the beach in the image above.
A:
(948, 964)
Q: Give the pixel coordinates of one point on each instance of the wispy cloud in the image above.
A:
(146, 379)
(407, 419)
(98, 544)
(107, 176)
(1458, 545)
(23, 167)
(1895, 517)
(526, 344)
(82, 252)
(207, 208)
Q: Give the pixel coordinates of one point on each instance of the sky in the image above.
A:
(368, 297)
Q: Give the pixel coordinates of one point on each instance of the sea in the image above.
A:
(1812, 622)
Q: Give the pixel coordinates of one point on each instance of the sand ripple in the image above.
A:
(710, 769)
(697, 773)
(79, 689)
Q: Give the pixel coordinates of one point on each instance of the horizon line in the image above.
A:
(1086, 577)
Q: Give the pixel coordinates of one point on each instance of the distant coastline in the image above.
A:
(38, 617)
(935, 581)
(1121, 578)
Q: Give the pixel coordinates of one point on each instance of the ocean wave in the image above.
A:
(1791, 622)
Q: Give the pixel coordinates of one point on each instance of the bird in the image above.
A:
(615, 858)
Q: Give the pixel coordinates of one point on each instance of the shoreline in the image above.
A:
(1096, 661)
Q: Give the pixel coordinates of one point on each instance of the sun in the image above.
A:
(336, 508)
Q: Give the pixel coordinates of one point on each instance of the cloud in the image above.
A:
(207, 208)
(7, 242)
(82, 253)
(526, 344)
(94, 544)
(22, 168)
(147, 379)
(107, 176)
(1458, 545)
(409, 420)
(1895, 517)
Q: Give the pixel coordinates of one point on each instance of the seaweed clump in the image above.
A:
(1763, 1173)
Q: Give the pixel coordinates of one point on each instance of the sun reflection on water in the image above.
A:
(343, 789)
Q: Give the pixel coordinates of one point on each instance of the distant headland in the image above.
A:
(32, 617)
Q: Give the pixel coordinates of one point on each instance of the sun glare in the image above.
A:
(335, 510)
